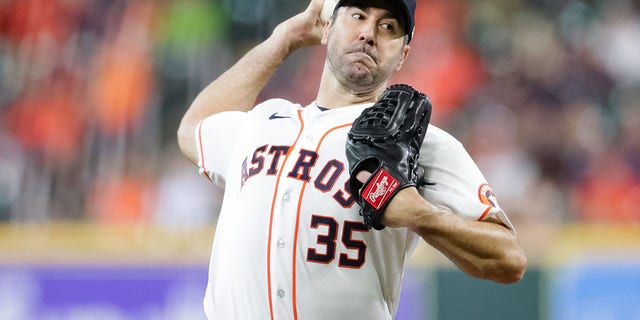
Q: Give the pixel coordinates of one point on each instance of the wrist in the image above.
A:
(279, 47)
(407, 209)
(297, 32)
(281, 39)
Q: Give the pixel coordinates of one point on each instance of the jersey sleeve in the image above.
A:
(454, 180)
(216, 137)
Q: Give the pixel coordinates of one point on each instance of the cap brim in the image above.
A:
(399, 6)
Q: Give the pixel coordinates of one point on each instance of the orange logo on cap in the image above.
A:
(487, 196)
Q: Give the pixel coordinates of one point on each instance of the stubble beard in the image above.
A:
(356, 76)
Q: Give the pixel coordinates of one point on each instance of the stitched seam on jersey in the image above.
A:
(294, 296)
(273, 203)
(484, 213)
(206, 174)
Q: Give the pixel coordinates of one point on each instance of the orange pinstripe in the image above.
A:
(273, 203)
(295, 237)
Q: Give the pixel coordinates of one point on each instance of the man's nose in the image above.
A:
(368, 33)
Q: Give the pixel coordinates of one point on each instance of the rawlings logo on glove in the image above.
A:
(382, 190)
(385, 140)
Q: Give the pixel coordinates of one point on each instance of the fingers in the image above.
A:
(363, 176)
(301, 30)
(314, 8)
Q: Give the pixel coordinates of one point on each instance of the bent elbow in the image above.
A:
(515, 274)
(512, 268)
(183, 133)
(186, 140)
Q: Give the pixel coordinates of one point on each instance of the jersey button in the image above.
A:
(281, 293)
(286, 197)
(280, 243)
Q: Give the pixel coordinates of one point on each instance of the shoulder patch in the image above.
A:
(486, 195)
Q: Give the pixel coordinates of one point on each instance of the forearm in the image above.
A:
(236, 89)
(482, 249)
(485, 250)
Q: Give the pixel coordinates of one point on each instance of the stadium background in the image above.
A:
(102, 218)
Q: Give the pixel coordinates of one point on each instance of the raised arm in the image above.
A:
(238, 88)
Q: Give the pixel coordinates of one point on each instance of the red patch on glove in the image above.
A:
(380, 189)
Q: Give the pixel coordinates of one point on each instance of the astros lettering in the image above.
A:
(269, 156)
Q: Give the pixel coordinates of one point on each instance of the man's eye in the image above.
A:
(357, 16)
(388, 26)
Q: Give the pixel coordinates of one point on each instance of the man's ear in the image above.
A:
(325, 32)
(405, 54)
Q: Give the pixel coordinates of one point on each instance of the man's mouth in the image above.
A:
(363, 58)
(363, 52)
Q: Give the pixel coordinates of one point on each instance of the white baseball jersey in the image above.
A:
(289, 242)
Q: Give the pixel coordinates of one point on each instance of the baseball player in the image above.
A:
(296, 237)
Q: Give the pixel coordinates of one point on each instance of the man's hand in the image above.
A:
(303, 29)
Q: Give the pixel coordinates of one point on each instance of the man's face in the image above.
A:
(365, 46)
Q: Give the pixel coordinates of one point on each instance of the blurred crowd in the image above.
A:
(544, 94)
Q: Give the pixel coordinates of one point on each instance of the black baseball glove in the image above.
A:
(385, 140)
